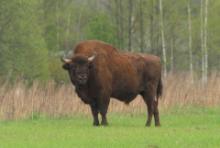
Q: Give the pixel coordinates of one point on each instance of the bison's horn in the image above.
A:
(92, 58)
(65, 60)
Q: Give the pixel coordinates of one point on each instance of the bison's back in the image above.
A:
(90, 47)
(146, 64)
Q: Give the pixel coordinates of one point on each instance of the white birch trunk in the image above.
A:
(130, 6)
(205, 41)
(141, 27)
(121, 23)
(190, 42)
(163, 38)
(172, 55)
(57, 25)
(202, 40)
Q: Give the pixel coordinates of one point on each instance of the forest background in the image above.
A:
(34, 34)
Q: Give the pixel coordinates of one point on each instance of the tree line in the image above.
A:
(35, 33)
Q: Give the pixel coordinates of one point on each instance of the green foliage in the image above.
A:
(100, 27)
(23, 53)
(56, 70)
(213, 36)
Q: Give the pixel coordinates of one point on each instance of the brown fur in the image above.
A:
(119, 75)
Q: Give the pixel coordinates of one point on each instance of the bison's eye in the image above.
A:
(73, 67)
(68, 66)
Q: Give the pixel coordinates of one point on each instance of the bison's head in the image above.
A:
(78, 68)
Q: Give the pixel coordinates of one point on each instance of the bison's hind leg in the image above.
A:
(156, 112)
(152, 107)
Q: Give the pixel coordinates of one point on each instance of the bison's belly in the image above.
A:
(124, 96)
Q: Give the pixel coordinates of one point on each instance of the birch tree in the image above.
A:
(190, 41)
(152, 25)
(141, 26)
(120, 22)
(121, 17)
(130, 10)
(57, 24)
(172, 55)
(203, 35)
(202, 40)
(205, 41)
(163, 38)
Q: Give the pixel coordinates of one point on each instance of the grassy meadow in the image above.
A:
(196, 127)
(53, 116)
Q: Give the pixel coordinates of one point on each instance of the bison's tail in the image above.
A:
(159, 88)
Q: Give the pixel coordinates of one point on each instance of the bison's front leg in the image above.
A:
(94, 109)
(103, 108)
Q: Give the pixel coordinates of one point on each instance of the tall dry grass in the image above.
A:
(19, 101)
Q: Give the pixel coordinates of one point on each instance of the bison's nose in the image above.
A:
(82, 77)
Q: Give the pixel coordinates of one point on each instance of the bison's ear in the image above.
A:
(66, 62)
(66, 66)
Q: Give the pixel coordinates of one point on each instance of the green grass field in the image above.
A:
(195, 127)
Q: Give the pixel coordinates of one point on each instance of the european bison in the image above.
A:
(98, 71)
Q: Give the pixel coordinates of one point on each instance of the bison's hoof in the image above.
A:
(95, 124)
(157, 124)
(147, 124)
(104, 123)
